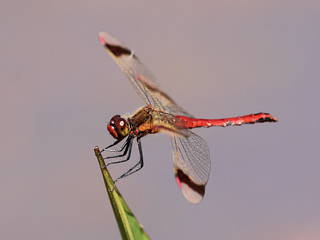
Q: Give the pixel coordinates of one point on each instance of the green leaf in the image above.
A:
(128, 224)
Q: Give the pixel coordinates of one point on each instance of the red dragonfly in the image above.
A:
(191, 157)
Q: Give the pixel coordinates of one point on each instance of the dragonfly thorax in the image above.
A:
(118, 127)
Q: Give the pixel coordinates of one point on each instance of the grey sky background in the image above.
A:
(215, 58)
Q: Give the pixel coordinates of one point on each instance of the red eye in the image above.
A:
(117, 127)
(112, 131)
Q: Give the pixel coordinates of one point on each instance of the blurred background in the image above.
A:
(215, 58)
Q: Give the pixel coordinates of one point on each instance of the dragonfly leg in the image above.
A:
(137, 166)
(111, 145)
(122, 147)
(127, 150)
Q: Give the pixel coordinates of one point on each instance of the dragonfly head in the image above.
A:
(118, 127)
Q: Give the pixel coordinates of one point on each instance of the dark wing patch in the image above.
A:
(191, 191)
(118, 50)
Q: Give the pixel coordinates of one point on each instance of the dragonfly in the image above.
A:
(191, 157)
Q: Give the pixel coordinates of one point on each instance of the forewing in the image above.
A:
(191, 159)
(141, 78)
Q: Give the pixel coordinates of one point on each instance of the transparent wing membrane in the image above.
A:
(191, 160)
(141, 78)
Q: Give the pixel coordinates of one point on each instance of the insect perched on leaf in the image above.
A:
(191, 158)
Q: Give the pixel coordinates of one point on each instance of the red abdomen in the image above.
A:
(186, 122)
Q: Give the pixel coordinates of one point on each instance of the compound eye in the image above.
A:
(114, 120)
(118, 127)
(121, 123)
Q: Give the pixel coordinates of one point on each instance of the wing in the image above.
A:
(141, 78)
(191, 160)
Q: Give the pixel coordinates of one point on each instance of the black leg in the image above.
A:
(124, 146)
(128, 148)
(115, 143)
(137, 166)
(121, 154)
